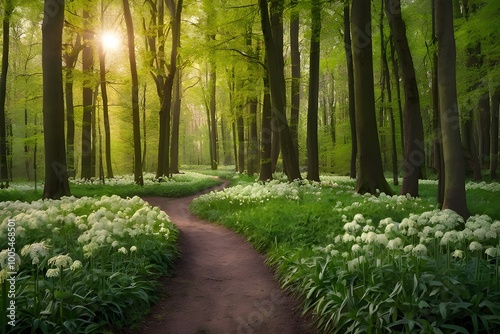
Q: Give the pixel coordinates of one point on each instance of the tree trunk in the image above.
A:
(4, 173)
(350, 80)
(240, 124)
(105, 108)
(436, 123)
(371, 175)
(278, 93)
(176, 122)
(166, 107)
(483, 126)
(135, 95)
(266, 171)
(495, 105)
(394, 153)
(395, 70)
(312, 110)
(56, 172)
(87, 64)
(70, 59)
(295, 83)
(213, 117)
(253, 143)
(454, 178)
(413, 129)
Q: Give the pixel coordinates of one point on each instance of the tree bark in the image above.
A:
(295, 83)
(213, 117)
(266, 171)
(413, 129)
(350, 80)
(495, 105)
(166, 107)
(312, 110)
(105, 107)
(56, 172)
(278, 93)
(454, 182)
(138, 178)
(70, 59)
(4, 173)
(371, 175)
(87, 68)
(176, 119)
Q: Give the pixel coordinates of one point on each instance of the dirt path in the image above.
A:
(221, 285)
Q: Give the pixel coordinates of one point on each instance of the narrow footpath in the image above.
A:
(220, 285)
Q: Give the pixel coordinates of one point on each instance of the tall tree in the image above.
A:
(295, 83)
(56, 172)
(175, 10)
(278, 94)
(87, 68)
(350, 81)
(413, 128)
(138, 178)
(104, 94)
(371, 174)
(454, 170)
(176, 116)
(70, 56)
(312, 110)
(266, 171)
(495, 106)
(7, 12)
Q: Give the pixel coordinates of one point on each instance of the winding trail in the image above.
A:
(220, 285)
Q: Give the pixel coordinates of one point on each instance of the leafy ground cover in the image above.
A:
(88, 264)
(179, 185)
(373, 263)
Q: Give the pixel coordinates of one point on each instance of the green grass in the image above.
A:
(180, 185)
(301, 228)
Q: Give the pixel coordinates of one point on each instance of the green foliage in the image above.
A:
(85, 265)
(358, 271)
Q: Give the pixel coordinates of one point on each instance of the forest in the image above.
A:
(353, 144)
(203, 70)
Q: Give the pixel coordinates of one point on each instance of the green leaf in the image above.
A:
(457, 329)
(442, 310)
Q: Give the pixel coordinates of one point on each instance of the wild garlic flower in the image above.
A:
(492, 251)
(122, 250)
(4, 260)
(53, 272)
(356, 248)
(395, 244)
(35, 250)
(458, 254)
(475, 246)
(133, 249)
(61, 261)
(76, 265)
(419, 250)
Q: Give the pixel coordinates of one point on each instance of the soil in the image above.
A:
(220, 284)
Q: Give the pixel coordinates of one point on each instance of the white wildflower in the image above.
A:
(61, 261)
(53, 272)
(133, 249)
(419, 250)
(474, 246)
(458, 254)
(35, 250)
(122, 250)
(76, 265)
(492, 251)
(356, 248)
(395, 244)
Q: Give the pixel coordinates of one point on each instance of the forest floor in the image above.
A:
(220, 284)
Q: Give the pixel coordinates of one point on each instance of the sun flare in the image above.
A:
(110, 41)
